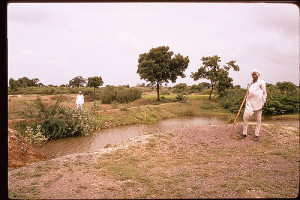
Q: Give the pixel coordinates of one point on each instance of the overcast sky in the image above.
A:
(56, 42)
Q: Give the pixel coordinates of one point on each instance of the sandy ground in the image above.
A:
(199, 162)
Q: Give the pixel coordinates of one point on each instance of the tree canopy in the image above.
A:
(78, 81)
(23, 82)
(13, 84)
(95, 81)
(159, 65)
(218, 76)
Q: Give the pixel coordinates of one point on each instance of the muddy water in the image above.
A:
(103, 137)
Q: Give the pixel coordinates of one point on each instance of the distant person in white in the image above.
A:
(254, 103)
(79, 100)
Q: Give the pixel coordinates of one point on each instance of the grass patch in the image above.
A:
(24, 192)
(281, 153)
(20, 175)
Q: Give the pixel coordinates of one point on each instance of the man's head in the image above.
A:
(79, 92)
(255, 74)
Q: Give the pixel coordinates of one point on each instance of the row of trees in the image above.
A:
(23, 82)
(78, 81)
(160, 65)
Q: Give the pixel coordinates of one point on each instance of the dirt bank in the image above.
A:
(19, 152)
(199, 162)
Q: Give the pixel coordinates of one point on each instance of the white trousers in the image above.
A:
(79, 106)
(247, 116)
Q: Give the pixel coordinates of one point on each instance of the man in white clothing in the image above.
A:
(79, 100)
(254, 103)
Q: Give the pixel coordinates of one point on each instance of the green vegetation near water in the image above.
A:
(114, 106)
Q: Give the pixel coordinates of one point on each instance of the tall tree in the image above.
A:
(159, 65)
(78, 81)
(218, 76)
(95, 81)
(13, 84)
(24, 82)
(35, 81)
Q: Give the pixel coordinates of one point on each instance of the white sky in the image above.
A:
(56, 42)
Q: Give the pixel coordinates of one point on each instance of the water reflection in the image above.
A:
(101, 138)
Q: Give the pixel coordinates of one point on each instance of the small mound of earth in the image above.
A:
(20, 153)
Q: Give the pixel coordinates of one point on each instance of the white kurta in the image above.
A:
(257, 95)
(79, 99)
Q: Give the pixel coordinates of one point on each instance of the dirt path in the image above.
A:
(199, 162)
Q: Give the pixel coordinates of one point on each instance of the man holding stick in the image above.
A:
(254, 103)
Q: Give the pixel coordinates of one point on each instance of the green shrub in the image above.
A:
(128, 95)
(35, 136)
(280, 99)
(181, 98)
(232, 99)
(57, 121)
(68, 122)
(92, 97)
(181, 88)
(120, 94)
(108, 94)
(28, 112)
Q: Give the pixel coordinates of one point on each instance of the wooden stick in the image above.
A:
(239, 112)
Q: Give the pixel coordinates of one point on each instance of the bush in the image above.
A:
(278, 102)
(181, 98)
(108, 95)
(92, 97)
(120, 94)
(181, 88)
(35, 136)
(55, 121)
(232, 99)
(128, 95)
(68, 122)
(281, 102)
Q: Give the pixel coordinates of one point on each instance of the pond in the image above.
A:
(103, 137)
(100, 138)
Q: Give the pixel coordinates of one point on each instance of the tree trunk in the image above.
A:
(212, 88)
(157, 89)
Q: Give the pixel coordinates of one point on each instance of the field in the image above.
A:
(201, 162)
